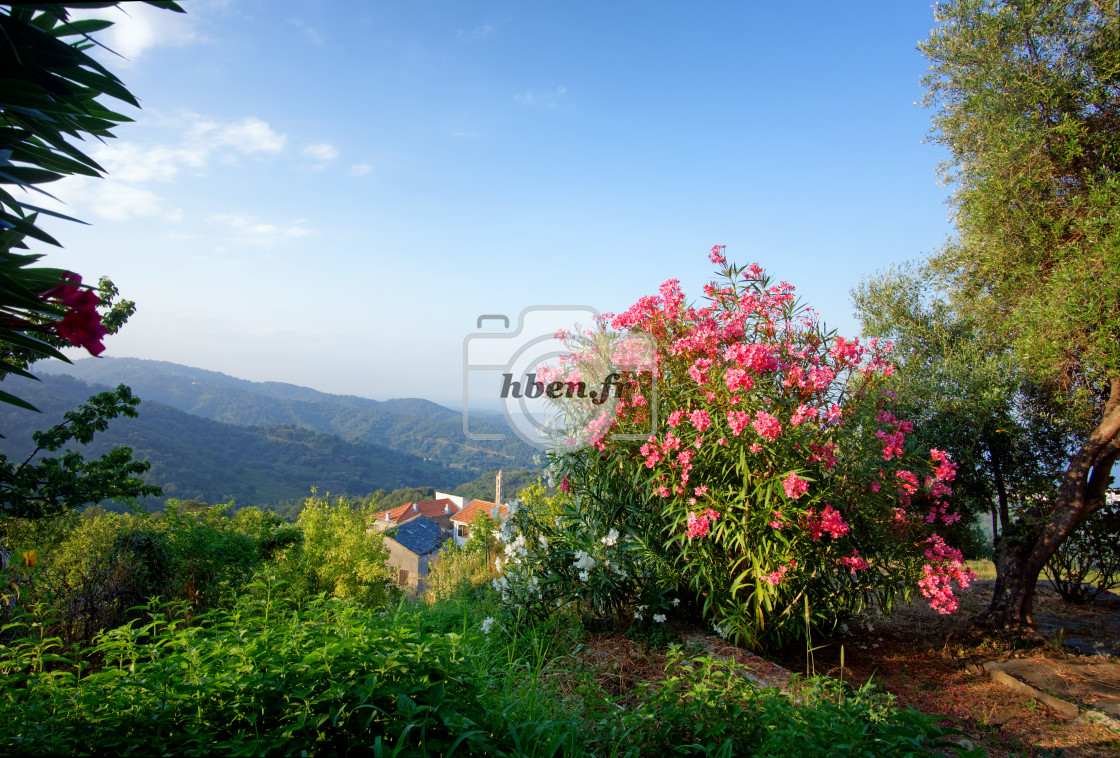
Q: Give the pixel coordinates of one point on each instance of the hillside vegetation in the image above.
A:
(413, 426)
(201, 459)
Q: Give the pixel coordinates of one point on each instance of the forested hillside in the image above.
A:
(411, 425)
(200, 459)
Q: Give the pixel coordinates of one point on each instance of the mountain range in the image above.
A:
(213, 437)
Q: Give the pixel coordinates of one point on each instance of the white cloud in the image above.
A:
(138, 27)
(129, 162)
(252, 230)
(249, 135)
(120, 202)
(545, 100)
(359, 169)
(130, 165)
(310, 33)
(322, 151)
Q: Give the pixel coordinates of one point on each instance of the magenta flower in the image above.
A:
(767, 426)
(738, 421)
(794, 486)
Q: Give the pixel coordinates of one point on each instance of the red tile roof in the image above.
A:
(474, 507)
(429, 508)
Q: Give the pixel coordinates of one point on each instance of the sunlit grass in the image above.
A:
(985, 569)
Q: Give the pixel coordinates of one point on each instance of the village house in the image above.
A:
(440, 511)
(463, 521)
(414, 545)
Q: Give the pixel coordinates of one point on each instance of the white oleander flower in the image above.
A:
(659, 618)
(611, 538)
(486, 624)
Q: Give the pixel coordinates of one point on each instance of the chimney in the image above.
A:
(447, 510)
(415, 507)
(387, 516)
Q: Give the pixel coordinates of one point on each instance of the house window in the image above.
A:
(462, 531)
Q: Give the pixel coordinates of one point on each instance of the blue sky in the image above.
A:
(330, 193)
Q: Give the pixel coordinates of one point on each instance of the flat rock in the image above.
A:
(1064, 685)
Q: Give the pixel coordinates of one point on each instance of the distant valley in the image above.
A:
(213, 437)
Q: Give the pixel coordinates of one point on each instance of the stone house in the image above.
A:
(414, 545)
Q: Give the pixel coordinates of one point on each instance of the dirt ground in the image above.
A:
(930, 662)
(934, 663)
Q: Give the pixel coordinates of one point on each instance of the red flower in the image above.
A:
(82, 323)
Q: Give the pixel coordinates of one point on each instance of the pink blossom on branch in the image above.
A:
(81, 324)
(794, 486)
(767, 426)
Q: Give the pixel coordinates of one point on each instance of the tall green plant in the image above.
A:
(1027, 98)
(342, 554)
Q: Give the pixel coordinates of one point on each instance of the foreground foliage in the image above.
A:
(328, 677)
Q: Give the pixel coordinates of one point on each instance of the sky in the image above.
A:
(331, 193)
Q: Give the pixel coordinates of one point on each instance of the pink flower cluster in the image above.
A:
(767, 426)
(830, 520)
(794, 486)
(698, 526)
(81, 324)
(946, 567)
(700, 420)
(854, 562)
(775, 577)
(738, 421)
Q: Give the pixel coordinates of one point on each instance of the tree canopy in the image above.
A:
(1027, 94)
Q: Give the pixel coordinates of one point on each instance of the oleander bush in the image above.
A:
(753, 468)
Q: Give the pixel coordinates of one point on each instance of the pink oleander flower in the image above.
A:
(565, 486)
(676, 417)
(699, 525)
(755, 358)
(716, 256)
(854, 562)
(767, 426)
(81, 324)
(802, 414)
(738, 421)
(849, 352)
(909, 482)
(738, 379)
(830, 520)
(946, 567)
(794, 486)
(892, 444)
(775, 577)
(700, 420)
(699, 370)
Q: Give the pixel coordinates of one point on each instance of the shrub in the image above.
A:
(1088, 562)
(705, 707)
(341, 553)
(771, 480)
